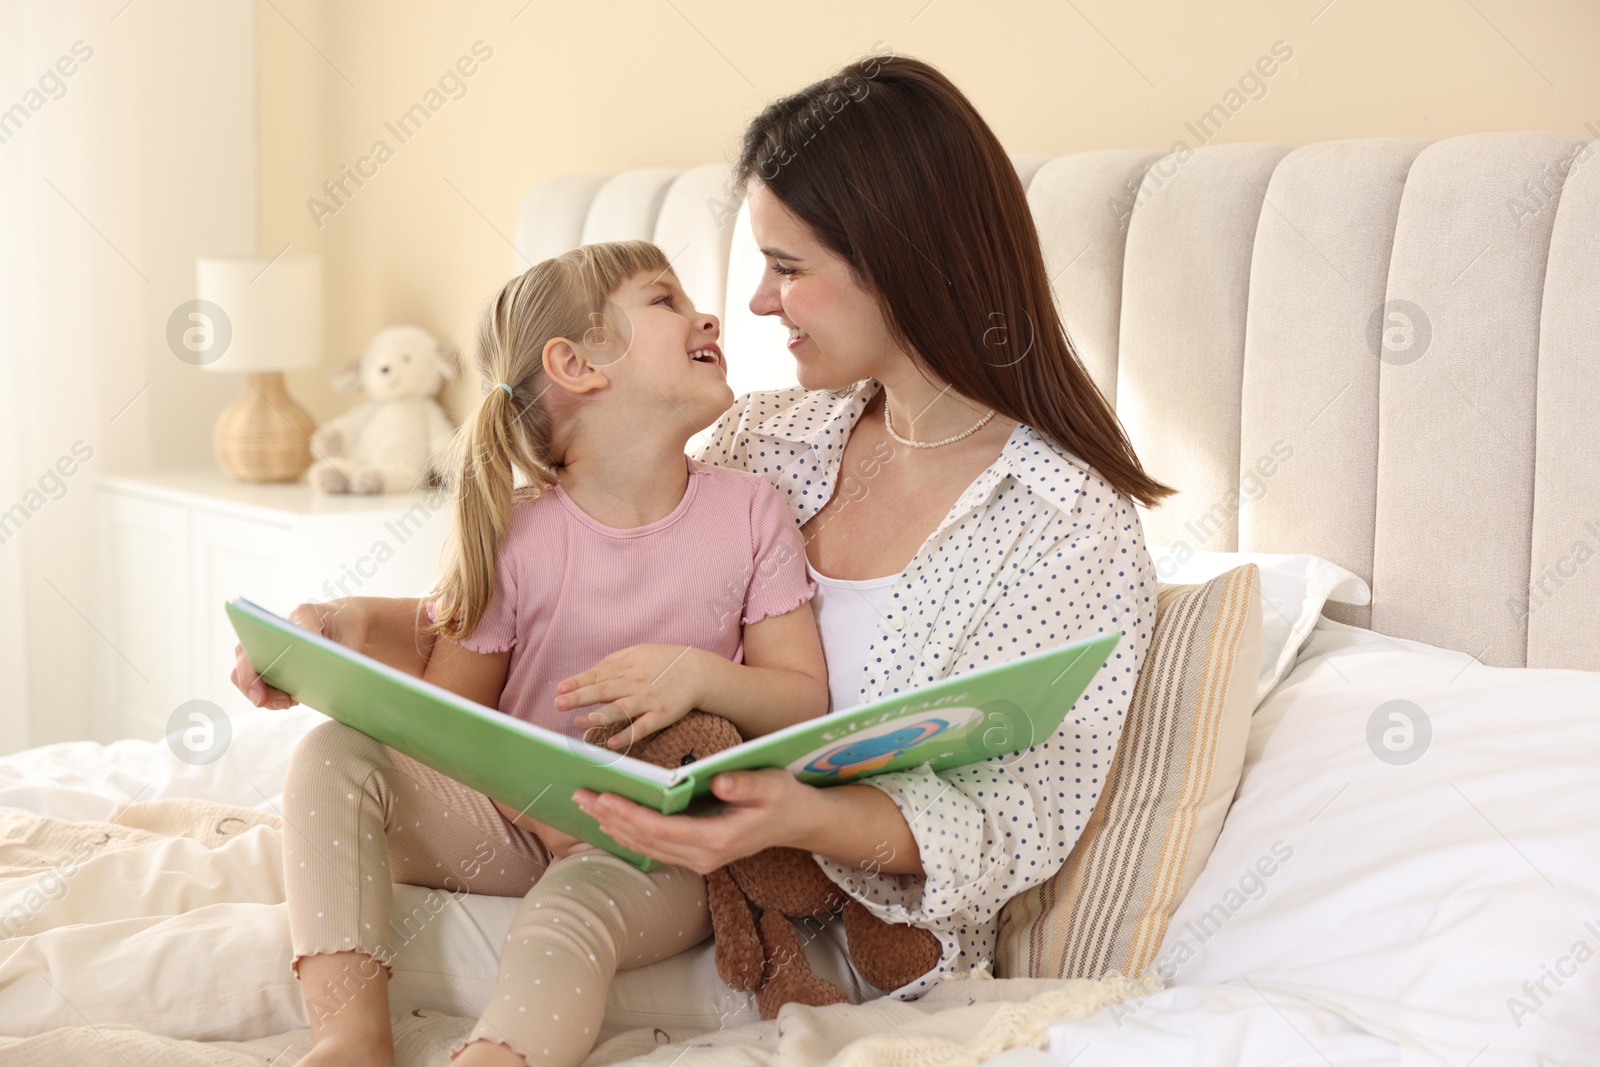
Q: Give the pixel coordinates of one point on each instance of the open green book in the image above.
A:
(990, 712)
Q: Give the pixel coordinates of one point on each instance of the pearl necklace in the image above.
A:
(931, 444)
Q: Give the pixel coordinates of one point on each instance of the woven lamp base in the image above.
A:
(264, 436)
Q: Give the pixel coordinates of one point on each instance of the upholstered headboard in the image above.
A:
(1385, 352)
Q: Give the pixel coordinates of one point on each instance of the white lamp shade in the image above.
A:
(273, 309)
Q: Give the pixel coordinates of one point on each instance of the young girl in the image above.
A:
(625, 582)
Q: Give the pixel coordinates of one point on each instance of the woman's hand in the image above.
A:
(342, 621)
(856, 825)
(764, 808)
(653, 685)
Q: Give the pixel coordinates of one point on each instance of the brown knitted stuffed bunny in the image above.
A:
(764, 954)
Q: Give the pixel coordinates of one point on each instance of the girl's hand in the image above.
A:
(341, 621)
(764, 808)
(653, 685)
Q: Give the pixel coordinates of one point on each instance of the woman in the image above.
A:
(965, 494)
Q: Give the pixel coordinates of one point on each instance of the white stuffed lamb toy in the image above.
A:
(391, 443)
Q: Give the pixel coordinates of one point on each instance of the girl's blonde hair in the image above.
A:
(561, 297)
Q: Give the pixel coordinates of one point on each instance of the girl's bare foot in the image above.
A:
(485, 1053)
(347, 1001)
(344, 1052)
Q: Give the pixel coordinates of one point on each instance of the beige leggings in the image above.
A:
(362, 816)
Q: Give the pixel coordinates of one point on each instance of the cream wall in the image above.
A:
(604, 86)
(139, 160)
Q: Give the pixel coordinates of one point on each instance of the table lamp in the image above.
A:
(273, 309)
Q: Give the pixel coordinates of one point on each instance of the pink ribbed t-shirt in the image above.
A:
(570, 590)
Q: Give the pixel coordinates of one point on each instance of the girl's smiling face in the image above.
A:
(837, 332)
(653, 345)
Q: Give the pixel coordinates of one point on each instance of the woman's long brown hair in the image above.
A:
(894, 170)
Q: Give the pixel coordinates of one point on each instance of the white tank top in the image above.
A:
(848, 613)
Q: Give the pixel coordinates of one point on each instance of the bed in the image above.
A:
(1378, 354)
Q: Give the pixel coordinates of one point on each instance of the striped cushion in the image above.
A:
(1168, 790)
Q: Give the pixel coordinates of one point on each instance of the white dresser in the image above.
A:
(174, 546)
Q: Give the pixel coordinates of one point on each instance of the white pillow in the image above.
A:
(1414, 841)
(1293, 590)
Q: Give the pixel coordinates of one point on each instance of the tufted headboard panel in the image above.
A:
(1385, 352)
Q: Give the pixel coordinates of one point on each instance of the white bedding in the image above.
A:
(1395, 934)
(1440, 817)
(83, 780)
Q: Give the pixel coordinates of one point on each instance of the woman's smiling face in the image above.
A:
(837, 331)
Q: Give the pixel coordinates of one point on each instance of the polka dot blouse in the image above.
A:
(1039, 551)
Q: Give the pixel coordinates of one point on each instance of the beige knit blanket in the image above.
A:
(959, 1023)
